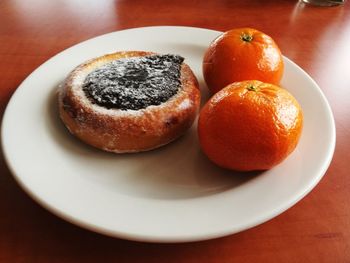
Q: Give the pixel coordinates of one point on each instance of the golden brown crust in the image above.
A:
(127, 131)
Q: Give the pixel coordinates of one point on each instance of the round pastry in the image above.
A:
(129, 101)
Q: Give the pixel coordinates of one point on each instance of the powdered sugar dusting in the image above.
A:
(134, 83)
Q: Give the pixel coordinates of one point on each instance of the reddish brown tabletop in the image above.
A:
(317, 229)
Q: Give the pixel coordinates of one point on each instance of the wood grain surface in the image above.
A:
(317, 229)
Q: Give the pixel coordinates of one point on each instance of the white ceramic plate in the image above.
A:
(173, 194)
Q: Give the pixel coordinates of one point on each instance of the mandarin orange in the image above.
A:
(250, 125)
(242, 54)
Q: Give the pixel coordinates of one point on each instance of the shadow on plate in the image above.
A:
(178, 170)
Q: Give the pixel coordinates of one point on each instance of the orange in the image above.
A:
(250, 125)
(242, 54)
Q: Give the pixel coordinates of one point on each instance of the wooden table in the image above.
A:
(317, 229)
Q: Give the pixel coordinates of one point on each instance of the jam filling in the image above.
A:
(134, 83)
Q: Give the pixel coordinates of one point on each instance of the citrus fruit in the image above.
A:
(250, 125)
(242, 54)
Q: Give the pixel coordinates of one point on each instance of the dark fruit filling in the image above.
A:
(134, 83)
